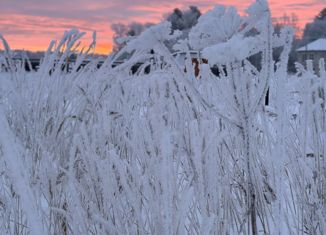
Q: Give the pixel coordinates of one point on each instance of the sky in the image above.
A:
(32, 24)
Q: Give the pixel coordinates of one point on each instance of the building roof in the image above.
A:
(318, 45)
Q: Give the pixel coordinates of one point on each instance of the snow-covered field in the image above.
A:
(107, 151)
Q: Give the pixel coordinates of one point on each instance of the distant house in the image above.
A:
(313, 51)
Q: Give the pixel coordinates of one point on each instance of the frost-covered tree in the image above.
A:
(184, 20)
(315, 29)
(180, 20)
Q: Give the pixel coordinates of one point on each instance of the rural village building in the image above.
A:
(313, 51)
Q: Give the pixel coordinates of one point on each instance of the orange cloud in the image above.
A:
(35, 32)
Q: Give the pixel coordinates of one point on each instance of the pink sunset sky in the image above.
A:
(32, 24)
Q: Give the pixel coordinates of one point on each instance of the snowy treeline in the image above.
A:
(106, 151)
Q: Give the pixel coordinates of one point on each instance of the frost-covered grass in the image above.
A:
(104, 151)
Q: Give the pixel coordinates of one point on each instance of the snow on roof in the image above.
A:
(318, 45)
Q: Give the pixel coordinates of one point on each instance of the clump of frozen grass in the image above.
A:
(102, 150)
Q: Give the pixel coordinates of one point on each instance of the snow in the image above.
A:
(318, 45)
(115, 151)
(236, 49)
(216, 26)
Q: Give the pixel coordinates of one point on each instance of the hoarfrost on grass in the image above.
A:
(108, 151)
